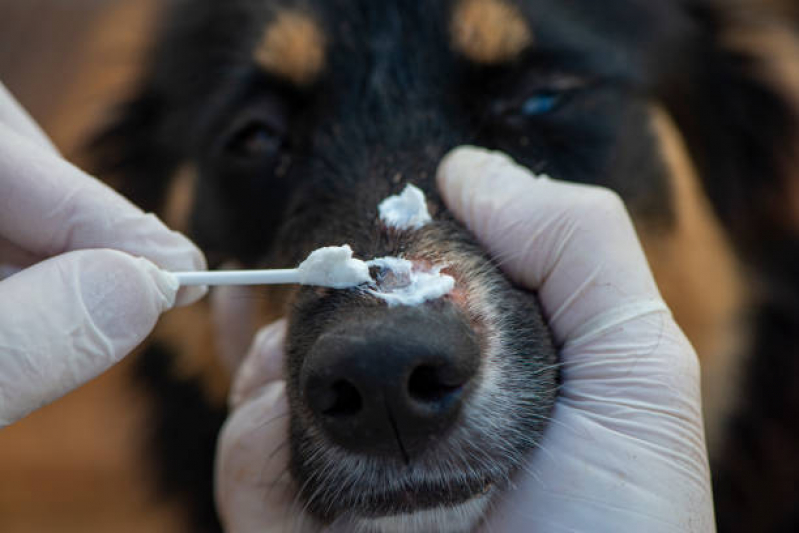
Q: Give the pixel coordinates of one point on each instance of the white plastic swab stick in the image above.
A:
(239, 277)
(327, 267)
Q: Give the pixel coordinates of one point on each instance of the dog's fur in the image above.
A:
(285, 122)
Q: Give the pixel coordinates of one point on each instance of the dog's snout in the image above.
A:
(391, 385)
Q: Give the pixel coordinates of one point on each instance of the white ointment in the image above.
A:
(334, 267)
(407, 211)
(401, 282)
(397, 281)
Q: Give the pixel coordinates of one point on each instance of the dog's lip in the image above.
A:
(410, 500)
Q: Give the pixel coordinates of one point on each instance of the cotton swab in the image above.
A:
(332, 267)
(335, 267)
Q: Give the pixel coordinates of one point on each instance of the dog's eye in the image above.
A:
(255, 139)
(540, 97)
(541, 103)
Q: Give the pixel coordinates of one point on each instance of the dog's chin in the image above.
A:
(457, 518)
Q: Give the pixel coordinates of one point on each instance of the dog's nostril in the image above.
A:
(427, 386)
(344, 400)
(390, 382)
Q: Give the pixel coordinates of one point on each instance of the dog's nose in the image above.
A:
(392, 384)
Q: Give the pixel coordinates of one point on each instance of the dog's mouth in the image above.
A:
(421, 496)
(381, 495)
(442, 516)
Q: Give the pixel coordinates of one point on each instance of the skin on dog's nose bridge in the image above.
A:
(404, 148)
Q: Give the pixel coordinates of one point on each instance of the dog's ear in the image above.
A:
(737, 105)
(132, 153)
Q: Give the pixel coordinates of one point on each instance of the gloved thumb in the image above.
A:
(69, 318)
(569, 242)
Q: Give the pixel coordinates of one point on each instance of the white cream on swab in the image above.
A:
(406, 211)
(332, 267)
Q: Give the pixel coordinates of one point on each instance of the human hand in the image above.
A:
(75, 294)
(625, 448)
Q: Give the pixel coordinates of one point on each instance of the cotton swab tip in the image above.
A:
(334, 267)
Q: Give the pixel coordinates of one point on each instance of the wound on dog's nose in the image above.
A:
(402, 282)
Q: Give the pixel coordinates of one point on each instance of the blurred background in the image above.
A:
(66, 60)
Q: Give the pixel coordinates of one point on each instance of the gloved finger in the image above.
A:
(16, 118)
(262, 365)
(49, 207)
(574, 244)
(254, 489)
(577, 246)
(69, 318)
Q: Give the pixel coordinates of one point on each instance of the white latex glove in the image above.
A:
(75, 294)
(625, 449)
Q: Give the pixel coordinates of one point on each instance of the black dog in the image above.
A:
(288, 122)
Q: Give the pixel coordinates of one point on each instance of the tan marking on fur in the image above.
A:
(292, 47)
(239, 312)
(490, 31)
(776, 48)
(189, 332)
(699, 278)
(274, 300)
(211, 343)
(180, 198)
(212, 338)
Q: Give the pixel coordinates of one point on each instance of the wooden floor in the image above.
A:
(74, 466)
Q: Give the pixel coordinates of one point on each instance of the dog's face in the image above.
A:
(292, 121)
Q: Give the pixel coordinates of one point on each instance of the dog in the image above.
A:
(267, 129)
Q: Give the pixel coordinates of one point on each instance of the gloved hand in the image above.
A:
(75, 294)
(625, 449)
